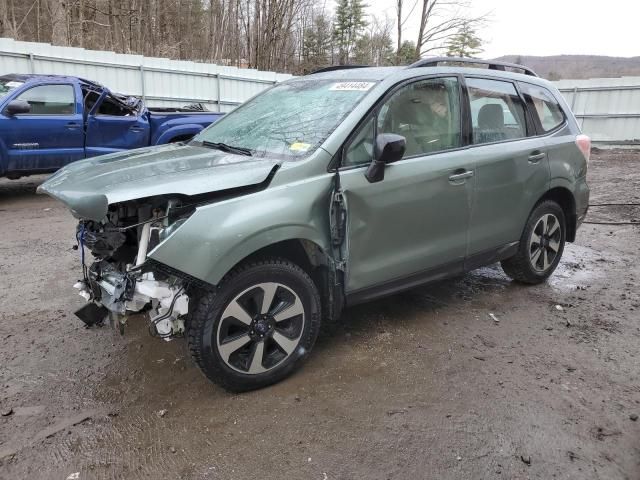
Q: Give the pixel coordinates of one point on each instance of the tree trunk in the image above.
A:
(399, 30)
(5, 30)
(59, 25)
(423, 26)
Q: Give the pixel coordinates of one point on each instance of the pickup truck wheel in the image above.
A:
(257, 327)
(541, 245)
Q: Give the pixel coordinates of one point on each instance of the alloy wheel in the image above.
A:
(544, 243)
(260, 328)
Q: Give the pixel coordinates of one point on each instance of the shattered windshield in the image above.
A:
(7, 85)
(290, 120)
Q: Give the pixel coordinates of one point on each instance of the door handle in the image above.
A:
(72, 125)
(136, 129)
(535, 157)
(456, 177)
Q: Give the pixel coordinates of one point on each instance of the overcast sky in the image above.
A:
(547, 27)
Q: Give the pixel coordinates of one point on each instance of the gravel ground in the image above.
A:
(424, 384)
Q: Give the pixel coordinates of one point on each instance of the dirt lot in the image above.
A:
(420, 385)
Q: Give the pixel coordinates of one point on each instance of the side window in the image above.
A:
(90, 99)
(425, 113)
(543, 106)
(497, 113)
(110, 106)
(50, 100)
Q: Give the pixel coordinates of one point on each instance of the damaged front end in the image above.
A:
(120, 280)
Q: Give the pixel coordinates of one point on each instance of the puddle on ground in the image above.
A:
(578, 268)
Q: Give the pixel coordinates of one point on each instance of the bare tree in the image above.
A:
(440, 20)
(59, 26)
(375, 47)
(7, 28)
(399, 24)
(400, 21)
(284, 35)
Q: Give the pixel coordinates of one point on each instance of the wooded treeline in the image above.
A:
(294, 36)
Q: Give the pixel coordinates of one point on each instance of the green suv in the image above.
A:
(322, 192)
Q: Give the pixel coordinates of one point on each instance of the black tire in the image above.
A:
(522, 267)
(241, 288)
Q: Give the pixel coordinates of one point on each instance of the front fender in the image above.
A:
(178, 131)
(220, 235)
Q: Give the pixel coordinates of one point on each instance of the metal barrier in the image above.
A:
(159, 81)
(608, 109)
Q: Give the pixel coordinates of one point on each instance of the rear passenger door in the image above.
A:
(511, 167)
(550, 122)
(113, 126)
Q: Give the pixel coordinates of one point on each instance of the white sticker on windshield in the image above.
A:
(352, 86)
(13, 84)
(299, 147)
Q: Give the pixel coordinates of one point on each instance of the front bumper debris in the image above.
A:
(120, 294)
(92, 314)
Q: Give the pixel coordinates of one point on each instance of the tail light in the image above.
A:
(584, 144)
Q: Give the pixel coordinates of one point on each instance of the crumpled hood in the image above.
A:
(88, 186)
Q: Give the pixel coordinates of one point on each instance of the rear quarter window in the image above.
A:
(543, 106)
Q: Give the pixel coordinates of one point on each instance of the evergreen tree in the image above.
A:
(407, 53)
(316, 47)
(464, 43)
(375, 49)
(347, 27)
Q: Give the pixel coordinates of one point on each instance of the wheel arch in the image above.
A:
(180, 138)
(564, 197)
(170, 134)
(305, 253)
(314, 260)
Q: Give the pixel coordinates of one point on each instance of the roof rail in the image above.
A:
(338, 67)
(491, 64)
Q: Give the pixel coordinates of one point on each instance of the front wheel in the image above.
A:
(541, 245)
(258, 326)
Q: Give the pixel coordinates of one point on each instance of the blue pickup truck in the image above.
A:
(48, 121)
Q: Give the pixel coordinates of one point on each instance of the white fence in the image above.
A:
(161, 82)
(607, 109)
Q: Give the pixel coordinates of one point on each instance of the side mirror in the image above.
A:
(389, 148)
(17, 106)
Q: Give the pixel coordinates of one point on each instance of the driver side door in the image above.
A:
(50, 135)
(412, 226)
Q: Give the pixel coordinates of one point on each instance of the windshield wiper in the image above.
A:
(228, 148)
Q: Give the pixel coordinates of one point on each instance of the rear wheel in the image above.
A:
(541, 245)
(258, 326)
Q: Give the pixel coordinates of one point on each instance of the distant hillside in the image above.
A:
(578, 66)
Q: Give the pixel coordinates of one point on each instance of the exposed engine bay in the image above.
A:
(120, 281)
